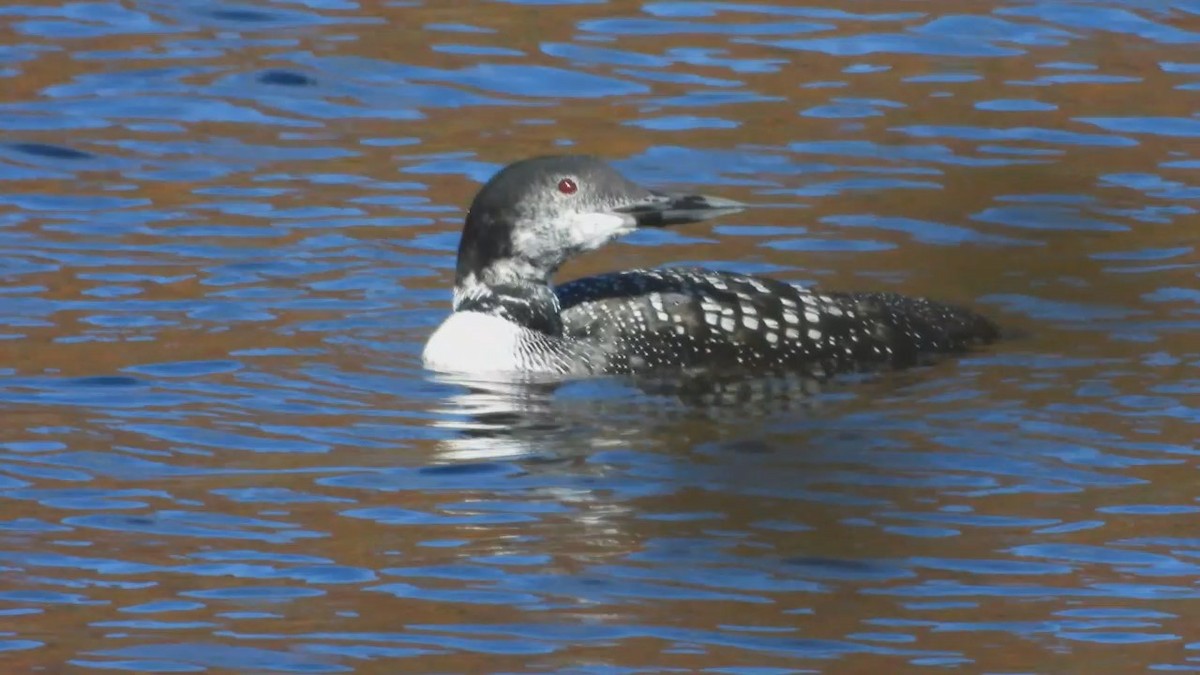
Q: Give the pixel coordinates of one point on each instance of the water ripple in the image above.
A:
(227, 229)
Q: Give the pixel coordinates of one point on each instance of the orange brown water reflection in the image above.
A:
(227, 229)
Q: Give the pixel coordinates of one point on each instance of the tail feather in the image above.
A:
(915, 328)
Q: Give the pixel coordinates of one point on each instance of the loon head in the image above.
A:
(536, 213)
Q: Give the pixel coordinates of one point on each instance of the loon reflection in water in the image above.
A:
(537, 213)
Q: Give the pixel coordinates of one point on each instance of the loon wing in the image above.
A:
(700, 319)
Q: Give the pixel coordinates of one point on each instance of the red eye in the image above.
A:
(567, 186)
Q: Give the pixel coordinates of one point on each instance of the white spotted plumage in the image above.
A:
(535, 214)
(710, 318)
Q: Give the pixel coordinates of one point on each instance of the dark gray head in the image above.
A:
(536, 213)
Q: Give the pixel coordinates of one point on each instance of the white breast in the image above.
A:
(473, 342)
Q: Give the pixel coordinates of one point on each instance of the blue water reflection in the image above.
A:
(227, 228)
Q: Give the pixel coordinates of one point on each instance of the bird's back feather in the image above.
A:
(697, 319)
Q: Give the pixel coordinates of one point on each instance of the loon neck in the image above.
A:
(528, 304)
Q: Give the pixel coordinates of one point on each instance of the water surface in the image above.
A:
(226, 230)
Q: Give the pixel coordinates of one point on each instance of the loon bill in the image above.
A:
(536, 213)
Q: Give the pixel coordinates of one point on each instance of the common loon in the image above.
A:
(536, 213)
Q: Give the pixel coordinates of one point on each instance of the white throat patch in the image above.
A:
(550, 242)
(590, 231)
